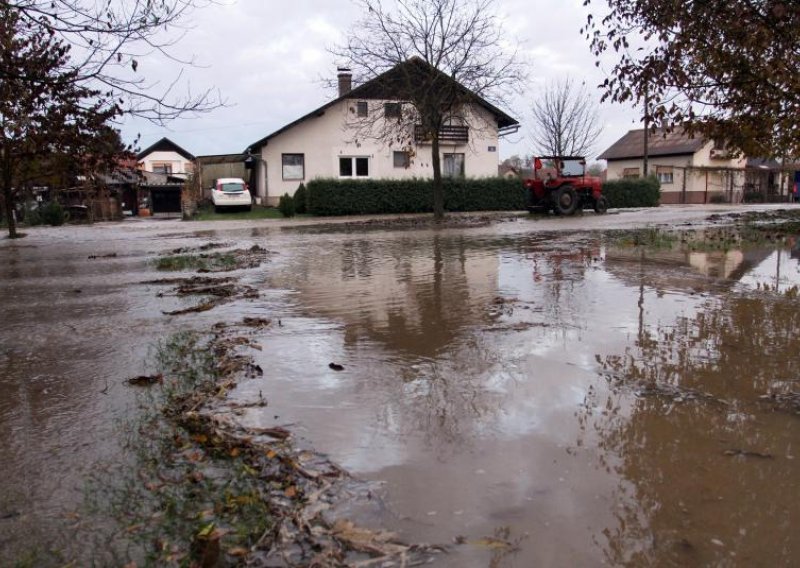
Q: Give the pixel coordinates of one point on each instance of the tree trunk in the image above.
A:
(438, 187)
(8, 199)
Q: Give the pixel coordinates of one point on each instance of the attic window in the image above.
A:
(361, 109)
(392, 110)
(162, 168)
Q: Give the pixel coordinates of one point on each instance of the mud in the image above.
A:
(525, 392)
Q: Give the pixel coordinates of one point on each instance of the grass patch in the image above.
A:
(222, 261)
(189, 497)
(207, 213)
(650, 238)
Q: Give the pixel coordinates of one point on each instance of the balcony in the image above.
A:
(449, 133)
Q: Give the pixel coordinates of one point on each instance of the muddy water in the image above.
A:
(72, 330)
(586, 402)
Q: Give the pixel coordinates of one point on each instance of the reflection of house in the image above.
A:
(345, 138)
(419, 297)
(166, 157)
(731, 265)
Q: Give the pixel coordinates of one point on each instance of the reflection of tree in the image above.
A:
(682, 500)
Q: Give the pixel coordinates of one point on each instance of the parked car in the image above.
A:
(230, 193)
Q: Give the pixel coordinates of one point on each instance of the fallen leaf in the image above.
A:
(238, 551)
(290, 492)
(206, 531)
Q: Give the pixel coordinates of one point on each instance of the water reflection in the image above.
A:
(707, 466)
(415, 295)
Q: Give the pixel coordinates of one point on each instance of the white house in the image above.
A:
(166, 157)
(690, 169)
(344, 138)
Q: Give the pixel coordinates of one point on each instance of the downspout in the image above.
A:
(705, 197)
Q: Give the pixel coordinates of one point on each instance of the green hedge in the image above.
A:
(373, 196)
(639, 192)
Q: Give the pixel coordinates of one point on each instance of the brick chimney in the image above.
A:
(345, 77)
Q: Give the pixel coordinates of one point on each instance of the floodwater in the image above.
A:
(587, 402)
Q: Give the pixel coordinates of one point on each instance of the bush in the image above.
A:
(718, 198)
(639, 192)
(286, 205)
(753, 196)
(301, 200)
(53, 214)
(363, 197)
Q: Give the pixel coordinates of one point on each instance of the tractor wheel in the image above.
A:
(565, 200)
(600, 205)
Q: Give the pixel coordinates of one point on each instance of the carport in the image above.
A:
(166, 200)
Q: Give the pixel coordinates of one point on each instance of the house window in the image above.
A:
(361, 109)
(354, 167)
(294, 166)
(664, 174)
(162, 168)
(630, 173)
(402, 159)
(392, 110)
(453, 165)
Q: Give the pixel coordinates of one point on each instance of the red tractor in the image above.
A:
(566, 188)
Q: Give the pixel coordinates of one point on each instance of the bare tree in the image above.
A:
(109, 39)
(565, 120)
(437, 58)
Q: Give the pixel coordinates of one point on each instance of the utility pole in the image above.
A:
(646, 130)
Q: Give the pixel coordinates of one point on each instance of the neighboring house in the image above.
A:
(329, 142)
(690, 169)
(166, 157)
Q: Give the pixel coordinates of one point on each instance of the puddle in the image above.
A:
(506, 382)
(582, 401)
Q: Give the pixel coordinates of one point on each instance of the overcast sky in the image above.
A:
(268, 60)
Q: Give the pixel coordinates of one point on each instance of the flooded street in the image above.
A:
(575, 397)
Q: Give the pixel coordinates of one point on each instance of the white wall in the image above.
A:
(180, 165)
(326, 138)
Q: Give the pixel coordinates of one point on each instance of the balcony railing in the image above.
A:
(448, 133)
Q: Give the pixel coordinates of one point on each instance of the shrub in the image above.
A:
(373, 196)
(286, 205)
(753, 196)
(639, 192)
(718, 198)
(301, 200)
(53, 214)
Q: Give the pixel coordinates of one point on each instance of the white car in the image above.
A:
(229, 193)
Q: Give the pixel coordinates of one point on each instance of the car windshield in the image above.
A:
(232, 187)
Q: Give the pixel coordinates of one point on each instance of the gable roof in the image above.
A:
(660, 143)
(164, 145)
(380, 87)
